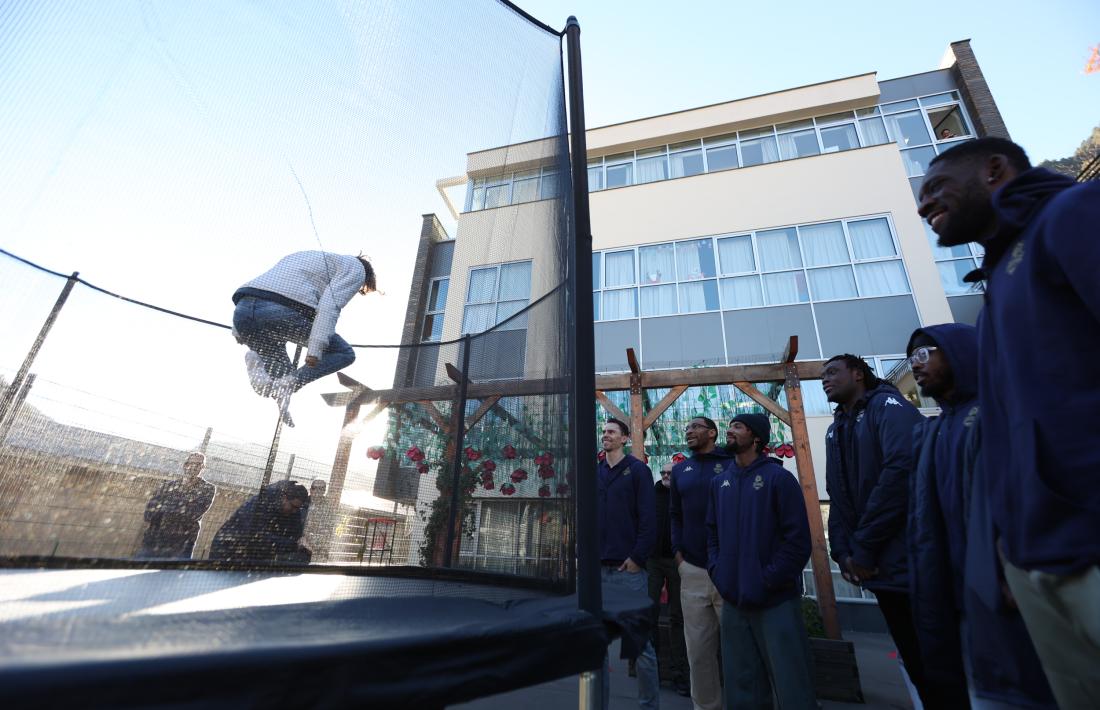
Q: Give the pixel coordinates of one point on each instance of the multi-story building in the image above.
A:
(719, 231)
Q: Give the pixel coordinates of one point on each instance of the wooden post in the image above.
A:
(637, 416)
(819, 553)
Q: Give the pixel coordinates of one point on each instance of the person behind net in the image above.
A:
(173, 515)
(628, 532)
(758, 543)
(298, 301)
(267, 528)
(700, 600)
(314, 519)
(868, 462)
(661, 568)
(1039, 388)
(949, 533)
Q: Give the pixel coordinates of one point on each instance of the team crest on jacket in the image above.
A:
(717, 469)
(758, 482)
(859, 417)
(971, 417)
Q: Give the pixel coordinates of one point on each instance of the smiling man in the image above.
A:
(699, 599)
(1039, 387)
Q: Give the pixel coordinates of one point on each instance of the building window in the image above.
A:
(954, 263)
(495, 294)
(758, 147)
(685, 159)
(652, 165)
(433, 314)
(513, 188)
(797, 139)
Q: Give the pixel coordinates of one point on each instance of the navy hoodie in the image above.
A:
(937, 509)
(758, 537)
(1039, 336)
(868, 460)
(260, 532)
(687, 507)
(628, 512)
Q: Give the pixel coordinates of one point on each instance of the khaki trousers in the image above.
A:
(702, 607)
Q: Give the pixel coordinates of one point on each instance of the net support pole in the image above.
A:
(8, 396)
(589, 593)
(273, 450)
(459, 433)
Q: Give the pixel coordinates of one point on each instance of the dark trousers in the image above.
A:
(766, 650)
(898, 613)
(662, 569)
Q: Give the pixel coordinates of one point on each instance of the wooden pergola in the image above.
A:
(489, 394)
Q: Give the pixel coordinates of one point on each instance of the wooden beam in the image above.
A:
(764, 401)
(483, 409)
(791, 351)
(437, 416)
(519, 427)
(611, 408)
(819, 554)
(664, 404)
(721, 375)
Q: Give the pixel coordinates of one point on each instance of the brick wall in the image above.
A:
(975, 92)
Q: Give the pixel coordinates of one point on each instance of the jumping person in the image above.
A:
(701, 602)
(298, 301)
(1039, 388)
(758, 543)
(174, 513)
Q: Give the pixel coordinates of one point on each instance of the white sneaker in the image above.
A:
(257, 375)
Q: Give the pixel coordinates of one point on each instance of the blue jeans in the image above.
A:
(766, 649)
(266, 327)
(649, 683)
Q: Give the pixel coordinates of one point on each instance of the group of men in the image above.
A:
(977, 531)
(273, 526)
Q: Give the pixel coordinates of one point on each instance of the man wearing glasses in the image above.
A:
(700, 601)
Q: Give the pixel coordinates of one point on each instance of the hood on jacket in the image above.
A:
(959, 343)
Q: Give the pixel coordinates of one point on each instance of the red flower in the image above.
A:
(544, 459)
(472, 453)
(415, 454)
(678, 457)
(488, 484)
(786, 451)
(509, 452)
(507, 489)
(767, 450)
(486, 476)
(544, 491)
(422, 468)
(375, 452)
(488, 465)
(546, 472)
(600, 456)
(645, 458)
(562, 489)
(519, 475)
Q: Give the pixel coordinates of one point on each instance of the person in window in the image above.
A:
(628, 532)
(662, 570)
(758, 543)
(1039, 388)
(868, 461)
(946, 133)
(267, 528)
(298, 301)
(701, 602)
(173, 515)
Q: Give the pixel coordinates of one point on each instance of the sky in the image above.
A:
(170, 152)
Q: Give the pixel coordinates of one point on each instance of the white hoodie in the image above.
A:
(321, 280)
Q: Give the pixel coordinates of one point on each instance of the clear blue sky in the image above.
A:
(643, 58)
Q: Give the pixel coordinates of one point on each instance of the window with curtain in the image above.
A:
(699, 297)
(478, 318)
(882, 278)
(483, 285)
(742, 292)
(657, 263)
(786, 287)
(832, 283)
(525, 187)
(871, 238)
(596, 273)
(620, 303)
(908, 129)
(495, 294)
(652, 166)
(917, 160)
(874, 131)
(619, 170)
(778, 249)
(837, 138)
(695, 259)
(657, 300)
(798, 144)
(619, 268)
(595, 175)
(735, 255)
(823, 244)
(548, 189)
(759, 151)
(685, 159)
(721, 158)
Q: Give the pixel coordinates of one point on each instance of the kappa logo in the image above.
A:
(725, 484)
(758, 482)
(687, 468)
(890, 400)
(859, 417)
(829, 435)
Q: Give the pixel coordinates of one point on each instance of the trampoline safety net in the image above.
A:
(253, 196)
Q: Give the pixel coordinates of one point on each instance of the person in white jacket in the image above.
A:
(298, 301)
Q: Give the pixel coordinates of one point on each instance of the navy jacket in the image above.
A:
(1039, 335)
(758, 537)
(937, 510)
(688, 504)
(174, 514)
(868, 460)
(259, 531)
(628, 513)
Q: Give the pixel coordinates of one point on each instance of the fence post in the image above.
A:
(7, 423)
(459, 418)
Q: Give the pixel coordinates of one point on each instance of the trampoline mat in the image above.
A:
(188, 638)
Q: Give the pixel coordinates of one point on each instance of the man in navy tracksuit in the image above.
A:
(628, 534)
(950, 532)
(699, 599)
(758, 543)
(868, 461)
(1039, 386)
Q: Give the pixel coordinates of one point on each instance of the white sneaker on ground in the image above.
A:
(257, 375)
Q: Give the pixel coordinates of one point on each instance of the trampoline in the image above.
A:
(158, 157)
